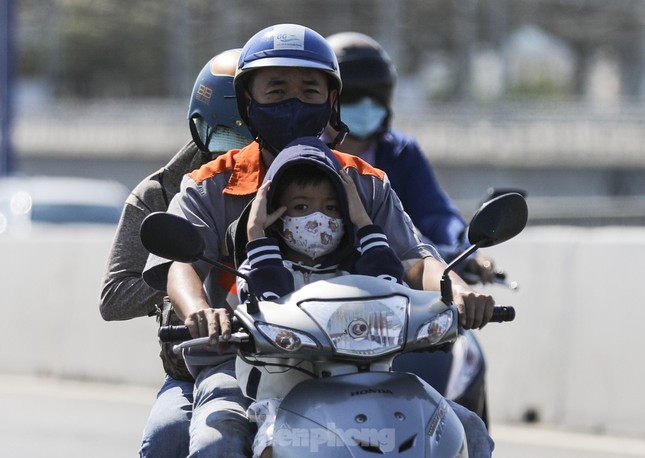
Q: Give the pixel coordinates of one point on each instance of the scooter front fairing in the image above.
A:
(367, 414)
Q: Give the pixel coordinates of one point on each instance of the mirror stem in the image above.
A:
(252, 307)
(446, 283)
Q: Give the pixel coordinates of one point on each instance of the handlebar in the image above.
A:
(499, 278)
(174, 333)
(501, 313)
(180, 333)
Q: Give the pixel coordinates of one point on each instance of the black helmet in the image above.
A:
(366, 68)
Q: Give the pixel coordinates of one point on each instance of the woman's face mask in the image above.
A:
(280, 123)
(314, 235)
(364, 117)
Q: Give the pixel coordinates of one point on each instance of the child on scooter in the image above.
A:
(303, 226)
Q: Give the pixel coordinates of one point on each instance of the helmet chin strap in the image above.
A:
(264, 145)
(343, 130)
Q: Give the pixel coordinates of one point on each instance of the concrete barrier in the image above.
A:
(51, 323)
(573, 354)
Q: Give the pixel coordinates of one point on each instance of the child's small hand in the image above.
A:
(357, 212)
(259, 220)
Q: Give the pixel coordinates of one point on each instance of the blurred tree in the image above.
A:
(153, 48)
(114, 49)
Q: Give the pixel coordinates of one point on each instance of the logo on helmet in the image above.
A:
(204, 94)
(289, 36)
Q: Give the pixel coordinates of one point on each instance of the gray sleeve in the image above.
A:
(124, 294)
(385, 209)
(194, 204)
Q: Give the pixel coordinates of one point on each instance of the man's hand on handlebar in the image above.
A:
(475, 309)
(212, 323)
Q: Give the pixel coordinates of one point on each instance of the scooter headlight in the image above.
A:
(433, 330)
(286, 339)
(363, 327)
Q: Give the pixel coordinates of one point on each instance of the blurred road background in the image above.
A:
(60, 419)
(544, 95)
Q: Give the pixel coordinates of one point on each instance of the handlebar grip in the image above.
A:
(174, 333)
(503, 313)
(180, 333)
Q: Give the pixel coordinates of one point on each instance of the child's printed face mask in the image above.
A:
(314, 235)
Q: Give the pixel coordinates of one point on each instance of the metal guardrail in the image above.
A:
(550, 137)
(583, 211)
(588, 211)
(102, 128)
(565, 134)
(570, 135)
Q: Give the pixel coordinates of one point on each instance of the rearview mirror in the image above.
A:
(498, 220)
(171, 237)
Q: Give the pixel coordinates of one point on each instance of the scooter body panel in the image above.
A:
(438, 369)
(365, 415)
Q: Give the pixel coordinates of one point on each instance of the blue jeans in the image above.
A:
(166, 432)
(220, 426)
(480, 444)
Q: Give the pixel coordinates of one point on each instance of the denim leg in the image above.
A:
(480, 444)
(166, 432)
(220, 427)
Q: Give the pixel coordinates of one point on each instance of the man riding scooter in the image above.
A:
(287, 85)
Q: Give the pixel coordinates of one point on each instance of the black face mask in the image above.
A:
(278, 124)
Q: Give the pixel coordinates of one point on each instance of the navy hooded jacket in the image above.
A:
(365, 251)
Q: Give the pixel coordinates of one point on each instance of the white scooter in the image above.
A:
(350, 328)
